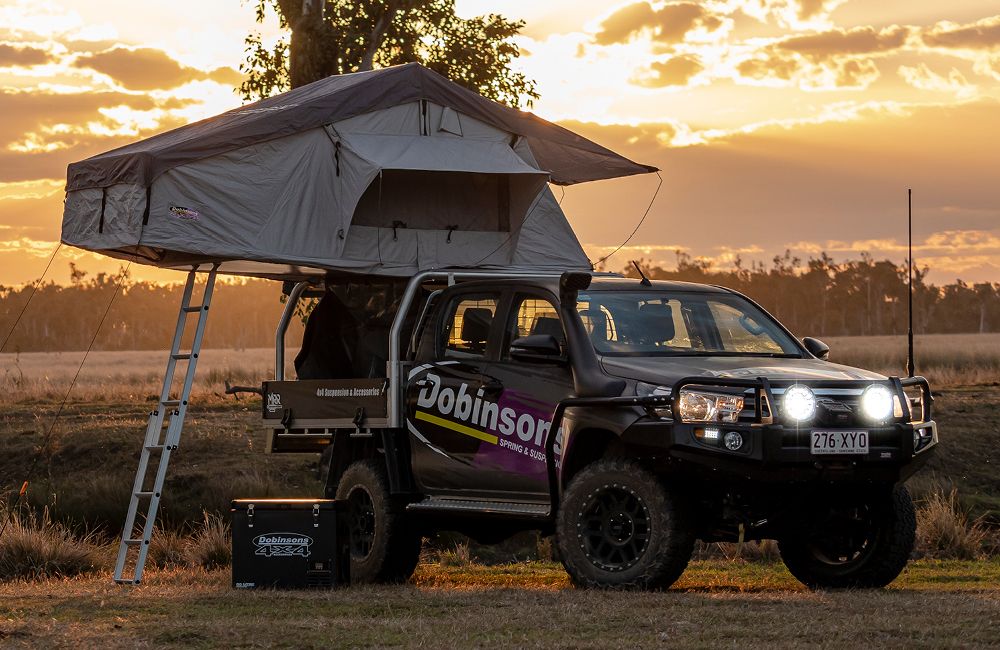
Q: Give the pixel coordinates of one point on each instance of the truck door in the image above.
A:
(444, 388)
(524, 395)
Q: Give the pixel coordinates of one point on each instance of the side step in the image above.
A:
(508, 508)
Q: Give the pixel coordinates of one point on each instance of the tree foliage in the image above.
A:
(819, 297)
(816, 297)
(327, 37)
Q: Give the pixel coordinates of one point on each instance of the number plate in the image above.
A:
(839, 442)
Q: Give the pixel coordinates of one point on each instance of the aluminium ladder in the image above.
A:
(159, 444)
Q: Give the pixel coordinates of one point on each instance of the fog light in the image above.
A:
(877, 402)
(707, 434)
(733, 441)
(799, 403)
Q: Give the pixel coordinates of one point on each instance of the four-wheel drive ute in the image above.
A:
(629, 418)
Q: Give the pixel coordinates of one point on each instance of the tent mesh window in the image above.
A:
(432, 200)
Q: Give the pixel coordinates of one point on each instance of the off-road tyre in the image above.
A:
(620, 526)
(886, 551)
(385, 547)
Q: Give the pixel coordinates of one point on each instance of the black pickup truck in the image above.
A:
(630, 418)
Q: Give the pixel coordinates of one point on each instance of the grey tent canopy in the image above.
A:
(385, 172)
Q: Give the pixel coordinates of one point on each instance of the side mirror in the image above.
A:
(817, 348)
(536, 348)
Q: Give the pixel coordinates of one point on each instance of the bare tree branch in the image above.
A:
(382, 24)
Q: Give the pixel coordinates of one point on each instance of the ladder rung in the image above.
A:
(182, 355)
(126, 581)
(154, 447)
(171, 402)
(144, 493)
(132, 542)
(193, 308)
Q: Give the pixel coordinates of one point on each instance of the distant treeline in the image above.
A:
(143, 316)
(816, 297)
(819, 297)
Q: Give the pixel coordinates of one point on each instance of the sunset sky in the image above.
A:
(778, 124)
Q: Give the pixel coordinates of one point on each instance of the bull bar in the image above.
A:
(763, 394)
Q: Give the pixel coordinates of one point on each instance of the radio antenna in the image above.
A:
(645, 281)
(910, 364)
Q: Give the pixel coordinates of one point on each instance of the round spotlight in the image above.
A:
(876, 402)
(733, 441)
(799, 403)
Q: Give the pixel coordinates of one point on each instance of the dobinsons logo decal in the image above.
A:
(184, 213)
(282, 544)
(475, 416)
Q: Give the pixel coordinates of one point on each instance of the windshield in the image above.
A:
(680, 323)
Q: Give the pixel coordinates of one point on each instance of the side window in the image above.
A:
(533, 316)
(467, 326)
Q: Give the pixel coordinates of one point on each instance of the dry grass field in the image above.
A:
(45, 376)
(83, 475)
(945, 359)
(529, 605)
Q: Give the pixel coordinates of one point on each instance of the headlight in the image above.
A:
(877, 403)
(698, 406)
(798, 403)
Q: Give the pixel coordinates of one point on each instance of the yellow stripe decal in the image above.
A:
(455, 426)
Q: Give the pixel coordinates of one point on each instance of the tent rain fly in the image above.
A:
(387, 172)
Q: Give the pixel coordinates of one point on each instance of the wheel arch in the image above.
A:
(383, 446)
(586, 446)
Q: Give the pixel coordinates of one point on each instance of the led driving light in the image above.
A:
(733, 441)
(697, 406)
(877, 403)
(799, 403)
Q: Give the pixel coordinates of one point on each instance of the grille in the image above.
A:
(836, 407)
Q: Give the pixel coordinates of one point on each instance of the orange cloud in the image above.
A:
(150, 69)
(787, 13)
(833, 73)
(24, 55)
(836, 185)
(859, 40)
(675, 71)
(835, 58)
(41, 132)
(981, 35)
(669, 23)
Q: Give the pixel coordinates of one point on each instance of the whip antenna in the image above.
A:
(638, 225)
(910, 365)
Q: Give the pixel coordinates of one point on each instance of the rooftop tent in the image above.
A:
(386, 172)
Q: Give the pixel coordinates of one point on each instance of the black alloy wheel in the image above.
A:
(864, 544)
(385, 547)
(613, 527)
(620, 526)
(361, 523)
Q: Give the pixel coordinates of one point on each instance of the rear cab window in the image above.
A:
(468, 322)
